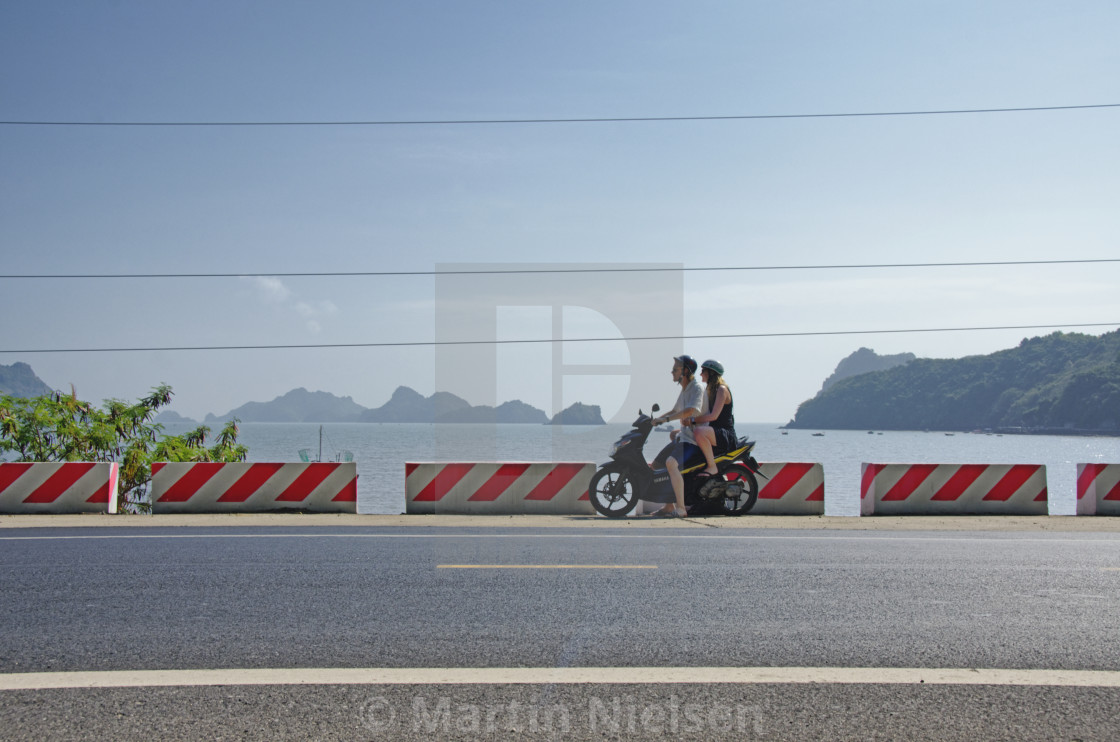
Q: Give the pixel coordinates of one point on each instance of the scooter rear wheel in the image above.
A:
(612, 492)
(741, 479)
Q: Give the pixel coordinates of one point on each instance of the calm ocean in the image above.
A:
(381, 450)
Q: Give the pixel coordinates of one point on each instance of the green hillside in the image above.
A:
(1064, 381)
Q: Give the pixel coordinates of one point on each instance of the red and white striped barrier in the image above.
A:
(792, 489)
(953, 489)
(1098, 489)
(59, 487)
(244, 487)
(498, 488)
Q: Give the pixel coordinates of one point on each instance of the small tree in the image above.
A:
(60, 427)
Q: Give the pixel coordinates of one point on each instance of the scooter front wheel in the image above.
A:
(612, 492)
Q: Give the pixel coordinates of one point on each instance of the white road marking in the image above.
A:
(560, 675)
(653, 534)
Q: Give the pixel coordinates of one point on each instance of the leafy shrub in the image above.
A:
(60, 427)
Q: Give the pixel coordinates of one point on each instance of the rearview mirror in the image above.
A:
(656, 408)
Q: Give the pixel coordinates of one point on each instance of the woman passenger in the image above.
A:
(715, 429)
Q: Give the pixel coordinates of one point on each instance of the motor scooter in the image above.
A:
(619, 484)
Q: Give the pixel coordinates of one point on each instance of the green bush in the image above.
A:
(60, 427)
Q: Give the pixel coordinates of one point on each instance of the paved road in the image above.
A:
(110, 599)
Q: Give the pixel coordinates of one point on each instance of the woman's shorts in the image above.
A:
(726, 440)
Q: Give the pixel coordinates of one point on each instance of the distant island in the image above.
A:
(579, 414)
(301, 406)
(1062, 383)
(18, 380)
(409, 406)
(297, 406)
(170, 417)
(405, 406)
(863, 361)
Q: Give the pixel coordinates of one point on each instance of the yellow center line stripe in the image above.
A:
(546, 566)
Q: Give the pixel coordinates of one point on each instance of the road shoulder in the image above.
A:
(1029, 524)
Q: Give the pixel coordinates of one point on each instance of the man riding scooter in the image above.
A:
(689, 403)
(675, 476)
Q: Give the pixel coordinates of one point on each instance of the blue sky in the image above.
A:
(979, 187)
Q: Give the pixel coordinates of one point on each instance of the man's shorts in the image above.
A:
(678, 450)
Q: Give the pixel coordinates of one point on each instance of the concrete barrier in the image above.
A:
(1098, 489)
(792, 489)
(953, 489)
(498, 488)
(59, 487)
(244, 487)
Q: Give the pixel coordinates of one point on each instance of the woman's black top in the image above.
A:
(724, 426)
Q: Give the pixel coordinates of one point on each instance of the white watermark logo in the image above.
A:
(558, 333)
(620, 714)
(378, 715)
(627, 714)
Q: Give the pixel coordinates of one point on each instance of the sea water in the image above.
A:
(381, 451)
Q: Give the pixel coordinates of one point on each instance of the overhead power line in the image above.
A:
(530, 271)
(537, 341)
(590, 120)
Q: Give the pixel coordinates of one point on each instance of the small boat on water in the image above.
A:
(818, 435)
(339, 457)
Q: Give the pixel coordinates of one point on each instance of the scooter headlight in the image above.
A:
(618, 447)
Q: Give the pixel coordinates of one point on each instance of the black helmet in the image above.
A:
(687, 361)
(714, 366)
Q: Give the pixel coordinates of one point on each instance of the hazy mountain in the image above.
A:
(297, 406)
(519, 412)
(405, 406)
(1060, 382)
(508, 412)
(409, 406)
(301, 406)
(579, 414)
(173, 418)
(18, 380)
(864, 361)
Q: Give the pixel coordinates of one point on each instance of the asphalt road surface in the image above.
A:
(647, 634)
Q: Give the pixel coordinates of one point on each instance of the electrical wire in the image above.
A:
(530, 271)
(594, 120)
(439, 343)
